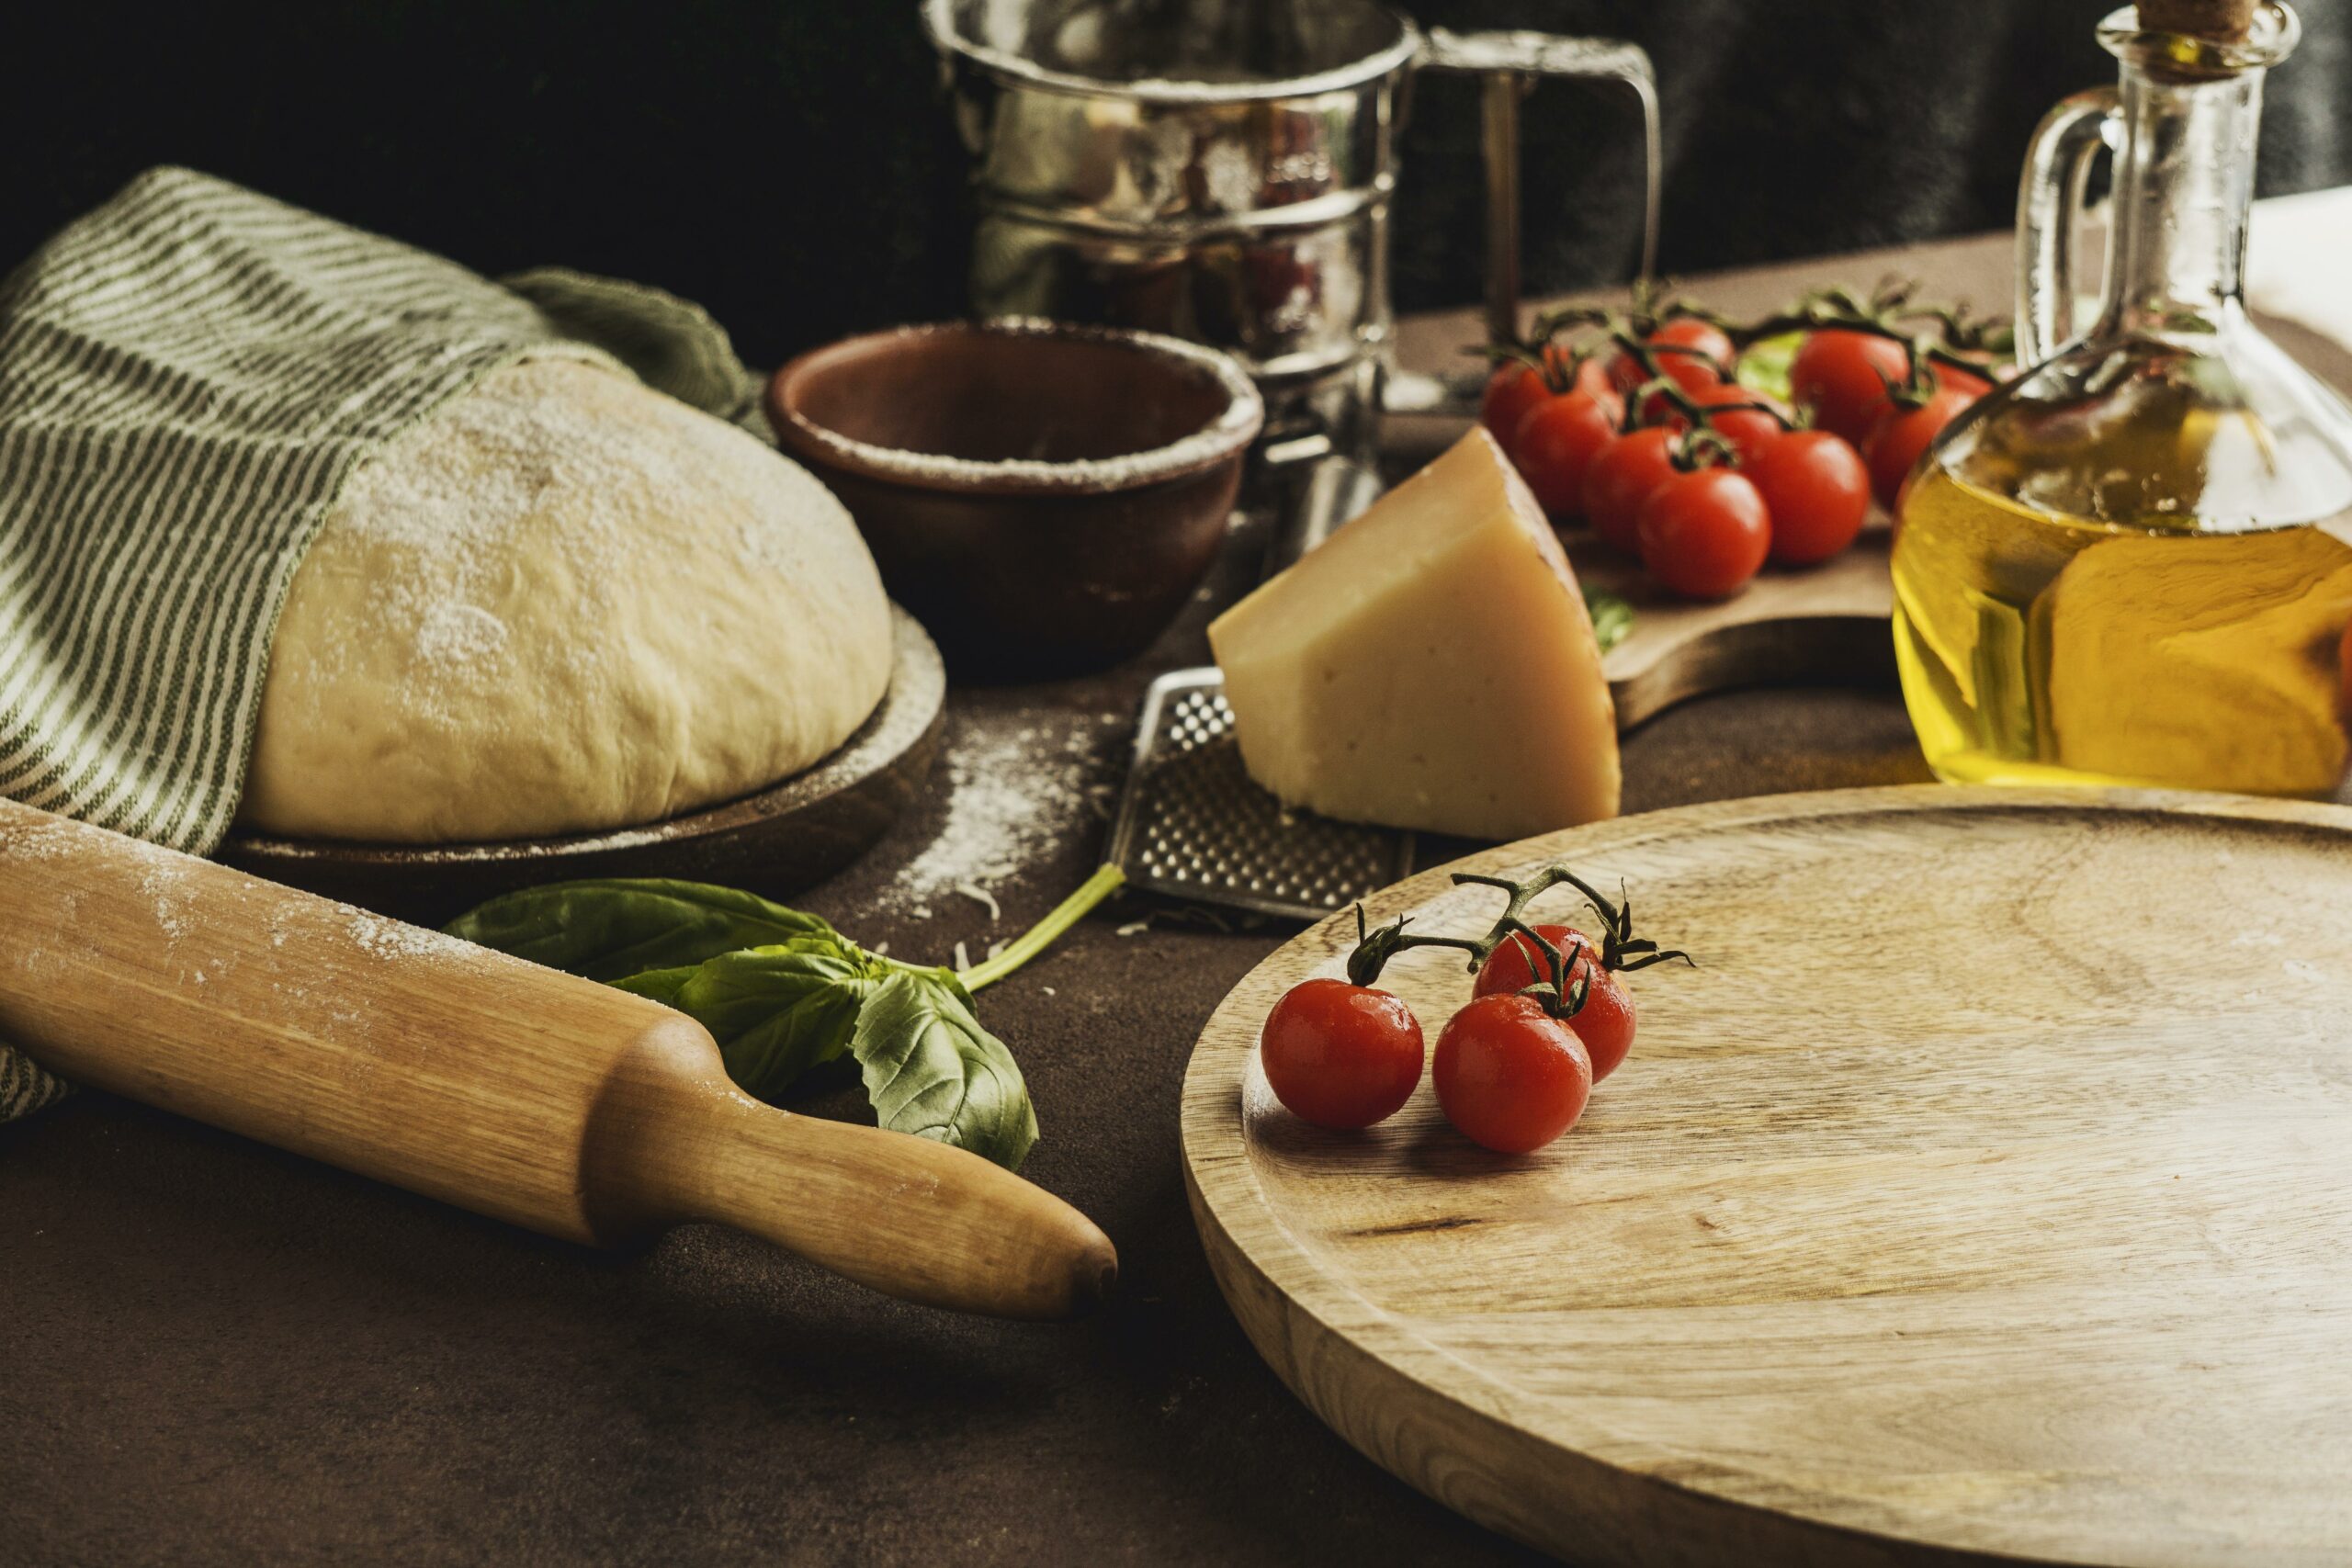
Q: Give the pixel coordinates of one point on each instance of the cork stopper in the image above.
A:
(2222, 21)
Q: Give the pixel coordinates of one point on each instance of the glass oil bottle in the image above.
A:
(2133, 565)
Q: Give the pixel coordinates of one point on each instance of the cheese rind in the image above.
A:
(1430, 666)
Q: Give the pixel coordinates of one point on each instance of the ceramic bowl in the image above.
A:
(1043, 497)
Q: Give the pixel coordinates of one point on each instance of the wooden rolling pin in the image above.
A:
(455, 1071)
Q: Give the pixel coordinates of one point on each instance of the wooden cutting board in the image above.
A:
(1827, 625)
(1986, 1194)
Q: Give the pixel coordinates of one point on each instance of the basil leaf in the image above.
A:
(782, 992)
(1765, 366)
(658, 985)
(938, 974)
(1612, 618)
(614, 927)
(931, 1070)
(775, 1011)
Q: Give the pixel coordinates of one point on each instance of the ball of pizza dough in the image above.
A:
(563, 603)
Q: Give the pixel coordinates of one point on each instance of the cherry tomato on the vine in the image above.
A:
(1341, 1055)
(1842, 376)
(1678, 337)
(1516, 388)
(1509, 1076)
(1620, 477)
(1895, 447)
(1592, 377)
(1968, 381)
(1705, 532)
(1749, 430)
(1605, 1022)
(1555, 443)
(1513, 389)
(1818, 492)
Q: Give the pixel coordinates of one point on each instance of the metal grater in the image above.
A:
(1191, 824)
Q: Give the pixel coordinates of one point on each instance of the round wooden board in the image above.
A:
(1985, 1194)
(785, 837)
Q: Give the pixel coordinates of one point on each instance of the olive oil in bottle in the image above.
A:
(2133, 565)
(2040, 648)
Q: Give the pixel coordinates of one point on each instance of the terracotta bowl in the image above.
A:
(1045, 498)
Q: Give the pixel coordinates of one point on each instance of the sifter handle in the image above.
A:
(1508, 64)
(675, 1141)
(2050, 204)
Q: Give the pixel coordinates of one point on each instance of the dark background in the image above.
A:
(788, 163)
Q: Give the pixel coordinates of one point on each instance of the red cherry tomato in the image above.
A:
(1605, 1022)
(1620, 477)
(1340, 1056)
(1592, 377)
(1818, 492)
(1895, 447)
(1705, 532)
(1843, 375)
(1966, 381)
(1515, 387)
(1555, 443)
(1749, 430)
(1511, 391)
(1509, 1076)
(1709, 364)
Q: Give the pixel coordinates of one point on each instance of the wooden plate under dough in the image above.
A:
(784, 838)
(1986, 1195)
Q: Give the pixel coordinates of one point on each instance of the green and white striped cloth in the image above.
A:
(188, 376)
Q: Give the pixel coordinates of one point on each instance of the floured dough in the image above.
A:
(563, 603)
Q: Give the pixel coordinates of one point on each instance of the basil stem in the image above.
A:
(1106, 881)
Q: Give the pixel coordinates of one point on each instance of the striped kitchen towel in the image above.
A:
(187, 375)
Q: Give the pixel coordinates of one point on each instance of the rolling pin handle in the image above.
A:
(907, 1216)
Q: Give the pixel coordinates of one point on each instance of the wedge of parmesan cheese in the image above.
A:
(1430, 666)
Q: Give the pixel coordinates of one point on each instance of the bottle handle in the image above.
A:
(2050, 205)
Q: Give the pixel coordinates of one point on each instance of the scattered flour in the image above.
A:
(1013, 795)
(40, 840)
(391, 939)
(511, 470)
(163, 884)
